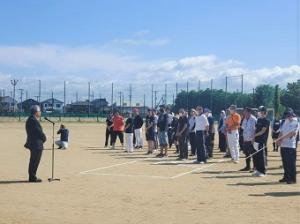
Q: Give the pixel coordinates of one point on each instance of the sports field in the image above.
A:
(110, 186)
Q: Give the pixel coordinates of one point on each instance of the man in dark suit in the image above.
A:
(35, 141)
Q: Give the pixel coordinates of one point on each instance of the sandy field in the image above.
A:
(110, 186)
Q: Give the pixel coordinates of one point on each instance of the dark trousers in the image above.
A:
(35, 158)
(259, 159)
(200, 142)
(192, 138)
(248, 149)
(222, 142)
(208, 146)
(183, 147)
(108, 133)
(119, 134)
(289, 163)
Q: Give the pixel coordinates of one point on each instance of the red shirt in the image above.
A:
(118, 123)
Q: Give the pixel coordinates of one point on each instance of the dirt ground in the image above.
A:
(110, 186)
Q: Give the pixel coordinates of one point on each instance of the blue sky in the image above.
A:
(141, 38)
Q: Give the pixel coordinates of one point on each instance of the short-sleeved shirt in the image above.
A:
(201, 123)
(260, 124)
(64, 134)
(182, 121)
(233, 122)
(150, 120)
(129, 122)
(287, 127)
(249, 126)
(162, 122)
(118, 122)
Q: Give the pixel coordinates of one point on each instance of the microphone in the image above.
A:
(46, 118)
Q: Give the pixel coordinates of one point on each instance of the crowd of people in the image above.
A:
(193, 135)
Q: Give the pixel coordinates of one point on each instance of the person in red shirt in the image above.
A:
(118, 129)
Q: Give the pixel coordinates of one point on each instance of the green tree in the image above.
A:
(291, 96)
(264, 95)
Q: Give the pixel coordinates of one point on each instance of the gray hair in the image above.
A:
(34, 109)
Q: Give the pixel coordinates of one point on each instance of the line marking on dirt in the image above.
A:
(127, 175)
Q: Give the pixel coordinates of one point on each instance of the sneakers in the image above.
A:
(258, 174)
(283, 180)
(246, 169)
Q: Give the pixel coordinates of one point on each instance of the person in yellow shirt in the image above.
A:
(233, 122)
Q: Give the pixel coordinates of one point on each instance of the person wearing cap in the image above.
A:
(129, 133)
(201, 129)
(138, 128)
(192, 132)
(63, 143)
(221, 130)
(232, 131)
(248, 125)
(35, 142)
(155, 129)
(288, 146)
(260, 142)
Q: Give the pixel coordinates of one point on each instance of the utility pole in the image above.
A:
(64, 97)
(152, 87)
(130, 95)
(211, 94)
(187, 95)
(242, 88)
(21, 98)
(165, 94)
(14, 82)
(155, 98)
(89, 98)
(112, 96)
(40, 91)
(120, 96)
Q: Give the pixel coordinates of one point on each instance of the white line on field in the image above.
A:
(192, 171)
(127, 175)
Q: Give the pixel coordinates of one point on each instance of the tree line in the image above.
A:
(267, 95)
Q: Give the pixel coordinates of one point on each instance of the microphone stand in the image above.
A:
(52, 174)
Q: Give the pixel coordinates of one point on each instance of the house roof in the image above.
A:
(7, 99)
(50, 101)
(30, 101)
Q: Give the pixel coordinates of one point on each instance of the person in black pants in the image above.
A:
(261, 138)
(192, 133)
(275, 133)
(109, 130)
(182, 133)
(35, 142)
(221, 130)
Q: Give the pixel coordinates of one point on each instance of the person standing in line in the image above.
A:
(173, 130)
(162, 125)
(150, 136)
(248, 125)
(241, 135)
(288, 146)
(232, 130)
(155, 129)
(209, 140)
(275, 133)
(260, 142)
(118, 129)
(201, 128)
(138, 129)
(221, 130)
(35, 142)
(109, 130)
(63, 143)
(192, 133)
(181, 134)
(129, 133)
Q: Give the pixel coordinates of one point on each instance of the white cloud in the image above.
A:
(102, 66)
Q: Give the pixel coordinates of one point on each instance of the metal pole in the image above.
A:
(155, 98)
(165, 94)
(40, 91)
(144, 104)
(21, 92)
(211, 92)
(52, 103)
(64, 110)
(89, 98)
(14, 82)
(112, 96)
(130, 95)
(152, 87)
